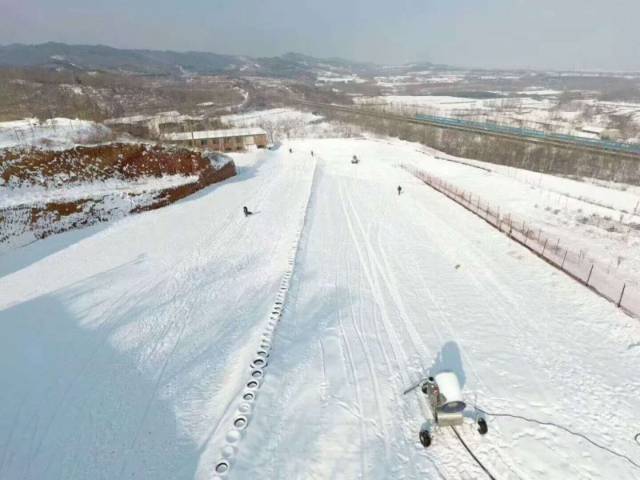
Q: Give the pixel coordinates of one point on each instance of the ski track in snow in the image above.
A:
(131, 353)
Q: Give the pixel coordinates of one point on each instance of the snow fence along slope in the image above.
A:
(241, 409)
(601, 220)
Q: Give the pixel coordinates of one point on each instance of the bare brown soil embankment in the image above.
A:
(25, 169)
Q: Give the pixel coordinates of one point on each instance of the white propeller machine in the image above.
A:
(447, 404)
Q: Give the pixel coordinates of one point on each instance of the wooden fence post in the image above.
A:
(545, 246)
(621, 294)
(589, 277)
(565, 257)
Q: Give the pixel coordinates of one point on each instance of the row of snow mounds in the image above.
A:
(591, 273)
(244, 403)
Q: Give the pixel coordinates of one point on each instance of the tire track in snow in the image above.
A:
(441, 232)
(372, 374)
(483, 290)
(390, 278)
(379, 265)
(401, 378)
(352, 370)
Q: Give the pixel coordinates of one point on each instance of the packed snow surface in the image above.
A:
(124, 346)
(600, 220)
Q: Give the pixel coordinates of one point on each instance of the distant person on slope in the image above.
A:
(312, 153)
(246, 211)
(399, 189)
(291, 150)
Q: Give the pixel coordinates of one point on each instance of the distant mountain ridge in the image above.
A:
(166, 62)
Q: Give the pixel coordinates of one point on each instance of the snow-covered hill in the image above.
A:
(43, 192)
(126, 350)
(53, 133)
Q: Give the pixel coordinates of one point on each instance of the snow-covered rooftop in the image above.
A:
(593, 129)
(228, 132)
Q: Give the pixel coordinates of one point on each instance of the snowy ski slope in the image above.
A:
(124, 348)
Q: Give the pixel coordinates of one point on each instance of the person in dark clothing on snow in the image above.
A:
(246, 211)
(399, 189)
(312, 153)
(291, 150)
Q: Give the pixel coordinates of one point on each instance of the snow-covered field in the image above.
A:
(329, 77)
(255, 118)
(537, 109)
(426, 77)
(286, 123)
(127, 345)
(600, 220)
(56, 133)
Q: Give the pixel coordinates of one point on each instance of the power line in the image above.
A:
(577, 434)
(472, 454)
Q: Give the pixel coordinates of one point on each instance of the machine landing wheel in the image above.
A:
(425, 438)
(482, 426)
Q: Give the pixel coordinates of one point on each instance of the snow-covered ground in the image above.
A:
(600, 220)
(539, 109)
(32, 195)
(328, 77)
(426, 77)
(128, 345)
(255, 118)
(285, 123)
(446, 103)
(43, 194)
(56, 133)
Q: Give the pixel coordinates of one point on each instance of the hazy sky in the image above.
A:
(568, 34)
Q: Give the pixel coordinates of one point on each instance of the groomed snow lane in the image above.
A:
(387, 286)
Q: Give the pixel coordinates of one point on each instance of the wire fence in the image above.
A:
(590, 273)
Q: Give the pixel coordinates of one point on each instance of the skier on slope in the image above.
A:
(246, 211)
(399, 189)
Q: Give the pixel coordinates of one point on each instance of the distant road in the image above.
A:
(524, 135)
